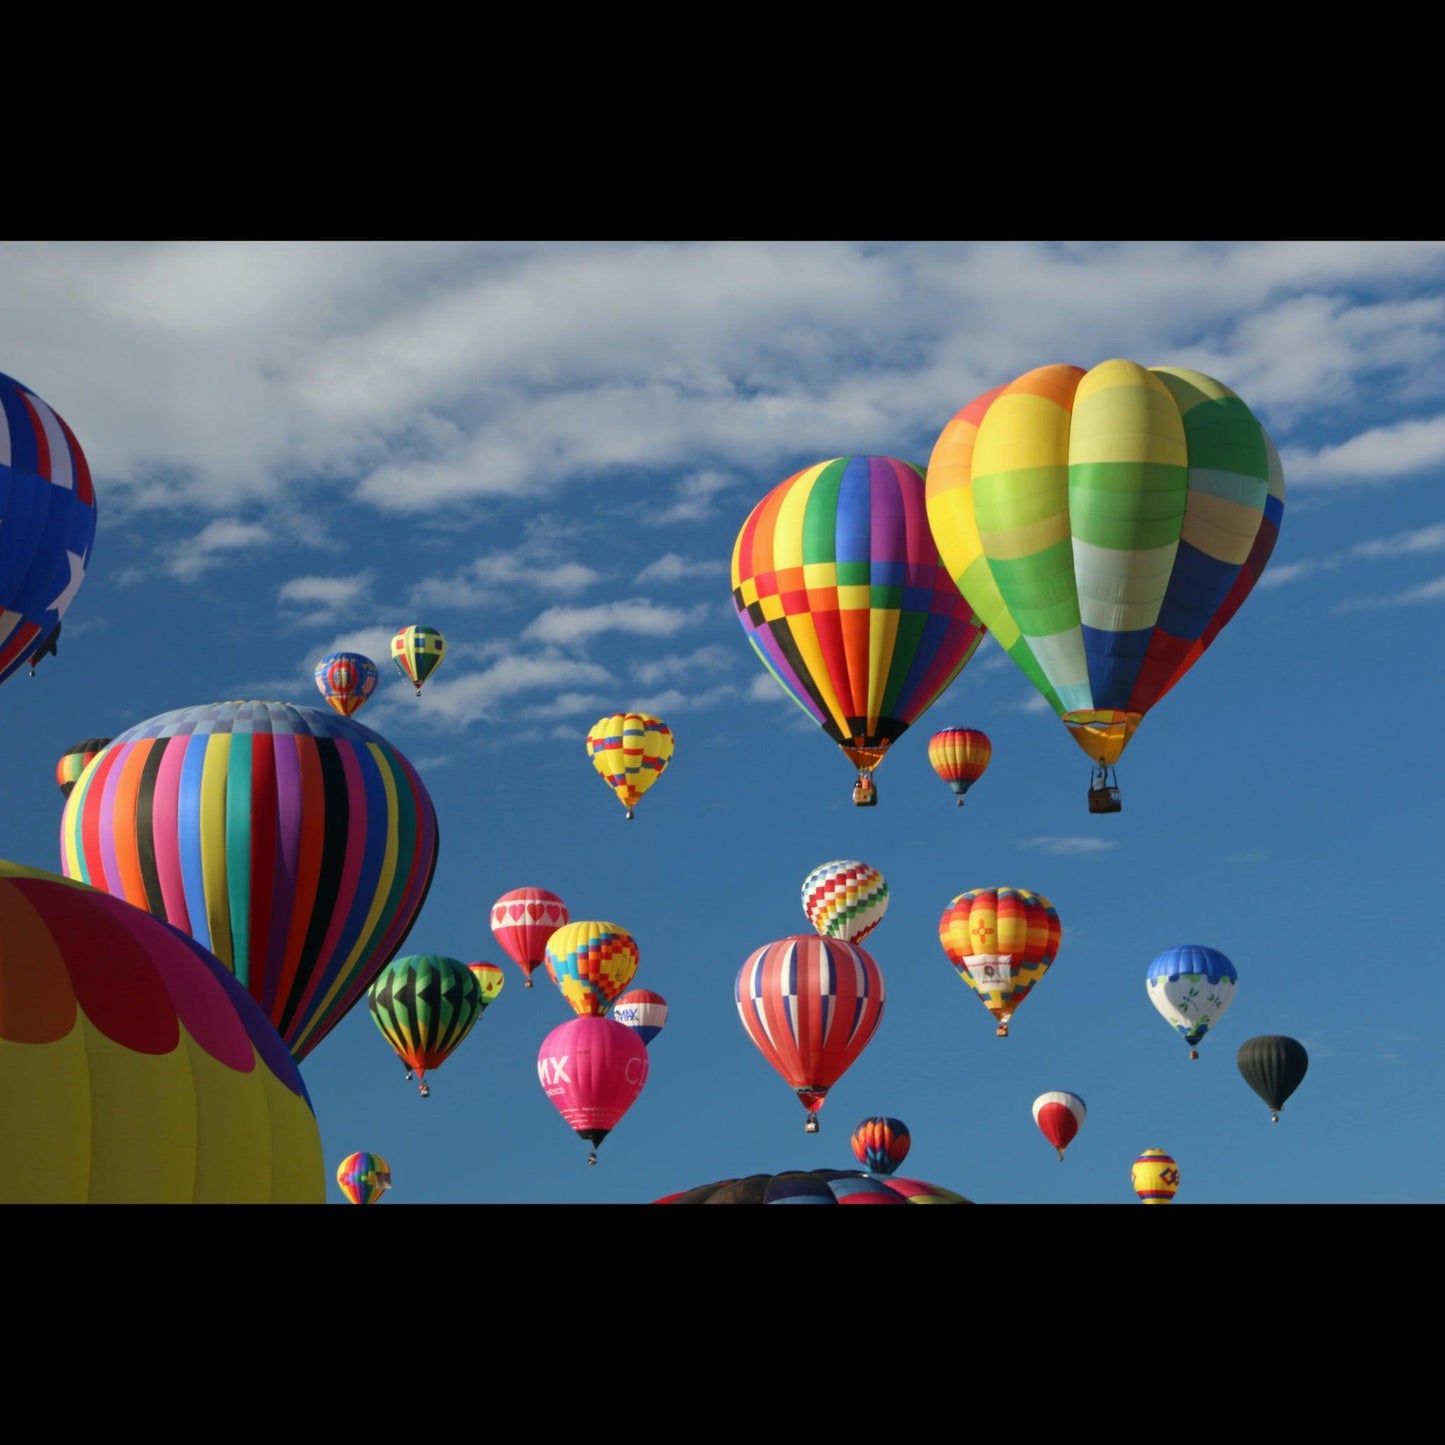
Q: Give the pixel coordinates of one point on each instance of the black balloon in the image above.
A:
(1274, 1067)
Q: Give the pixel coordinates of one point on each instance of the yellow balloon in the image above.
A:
(630, 750)
(1155, 1177)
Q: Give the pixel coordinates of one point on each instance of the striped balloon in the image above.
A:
(811, 1005)
(845, 899)
(1105, 524)
(73, 761)
(417, 653)
(363, 1177)
(838, 585)
(629, 751)
(47, 522)
(425, 1004)
(881, 1144)
(1155, 1177)
(296, 845)
(959, 756)
(641, 1010)
(1001, 942)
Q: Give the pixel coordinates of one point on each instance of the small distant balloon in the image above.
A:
(1155, 1177)
(1274, 1066)
(489, 980)
(346, 680)
(642, 1010)
(417, 653)
(424, 1005)
(881, 1144)
(363, 1177)
(959, 756)
(629, 751)
(845, 899)
(73, 762)
(1059, 1115)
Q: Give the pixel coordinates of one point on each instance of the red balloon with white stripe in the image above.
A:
(1059, 1115)
(523, 919)
(811, 1005)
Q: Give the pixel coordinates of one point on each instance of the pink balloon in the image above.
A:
(592, 1068)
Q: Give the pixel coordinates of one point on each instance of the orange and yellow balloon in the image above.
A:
(959, 756)
(1001, 942)
(591, 962)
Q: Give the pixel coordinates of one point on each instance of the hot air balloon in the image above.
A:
(134, 1068)
(840, 590)
(73, 760)
(1001, 942)
(1059, 1115)
(417, 653)
(1105, 525)
(816, 1186)
(523, 919)
(364, 1178)
(1155, 1177)
(1192, 987)
(959, 756)
(591, 962)
(881, 1144)
(1273, 1066)
(296, 845)
(845, 899)
(592, 1068)
(47, 525)
(489, 980)
(642, 1010)
(346, 680)
(811, 1005)
(629, 751)
(425, 1004)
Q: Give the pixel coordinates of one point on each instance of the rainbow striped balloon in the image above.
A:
(845, 899)
(295, 844)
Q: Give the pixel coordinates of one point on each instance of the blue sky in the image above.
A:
(546, 449)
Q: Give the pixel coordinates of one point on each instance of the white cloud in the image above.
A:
(636, 616)
(1424, 594)
(1075, 847)
(212, 544)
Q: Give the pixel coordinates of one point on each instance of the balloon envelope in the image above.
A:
(47, 523)
(523, 919)
(591, 962)
(845, 899)
(1001, 942)
(816, 1186)
(1105, 525)
(296, 845)
(810, 1005)
(881, 1144)
(73, 761)
(363, 1177)
(1059, 1115)
(629, 750)
(641, 1009)
(1274, 1066)
(592, 1069)
(417, 653)
(134, 1068)
(346, 680)
(1155, 1177)
(839, 588)
(1192, 987)
(425, 1004)
(959, 756)
(489, 979)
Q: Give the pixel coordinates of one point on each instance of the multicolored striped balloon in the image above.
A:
(363, 1177)
(591, 962)
(845, 899)
(959, 756)
(881, 1144)
(47, 522)
(297, 845)
(839, 587)
(629, 751)
(73, 761)
(811, 1005)
(1105, 524)
(1001, 942)
(134, 1068)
